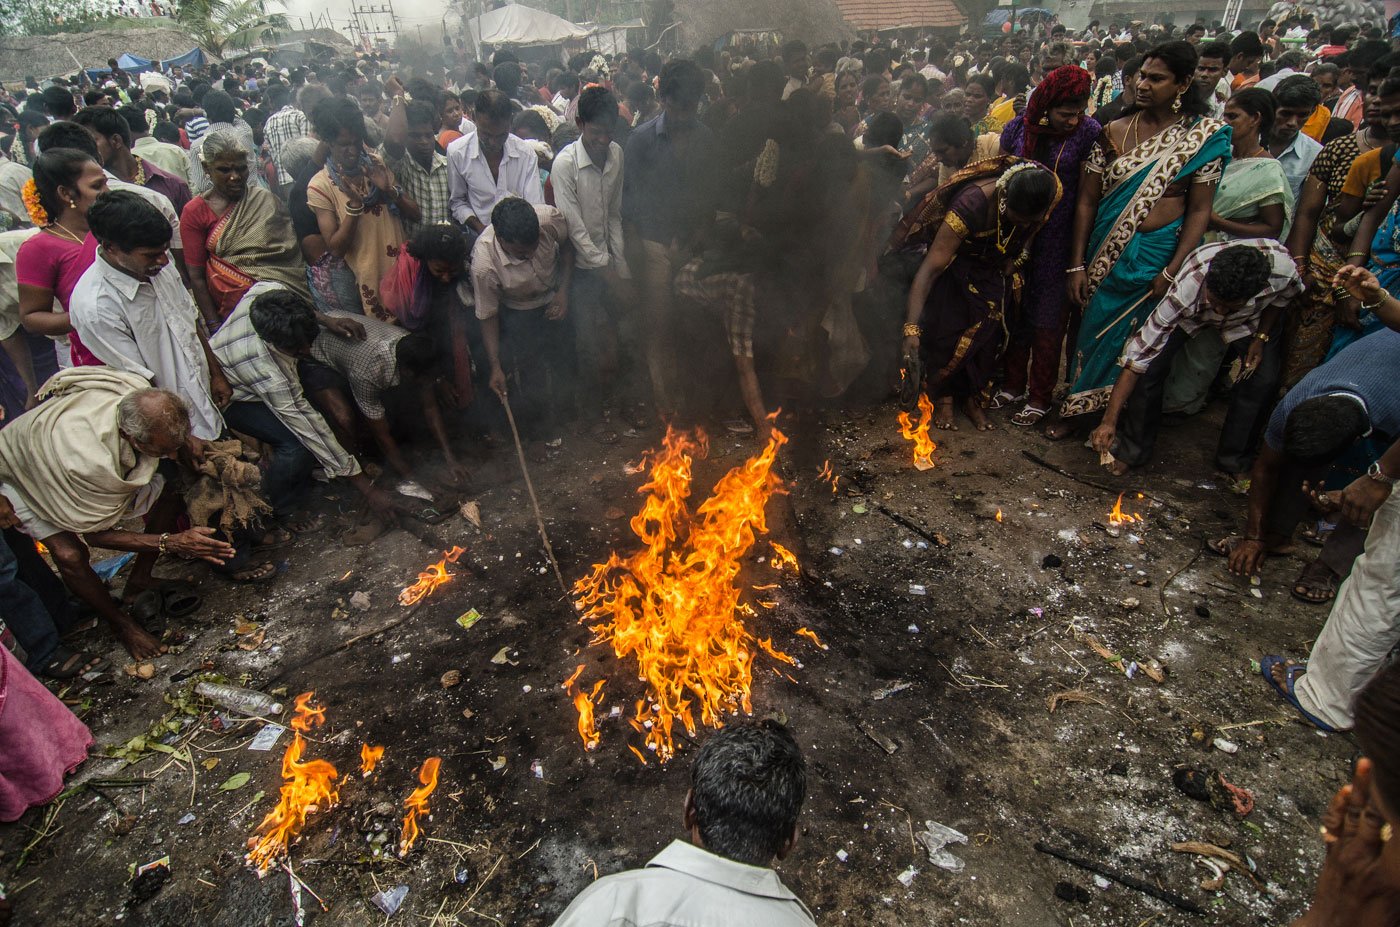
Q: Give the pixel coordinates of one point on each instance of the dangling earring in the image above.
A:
(1176, 104)
(1001, 205)
(1044, 120)
(72, 204)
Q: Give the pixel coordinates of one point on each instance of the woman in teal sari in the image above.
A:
(1144, 204)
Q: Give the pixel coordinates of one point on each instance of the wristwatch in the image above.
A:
(1376, 473)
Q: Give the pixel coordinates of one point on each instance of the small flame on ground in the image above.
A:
(998, 515)
(430, 578)
(923, 444)
(307, 786)
(828, 475)
(586, 703)
(417, 803)
(369, 756)
(39, 546)
(1118, 518)
(782, 558)
(811, 636)
(675, 604)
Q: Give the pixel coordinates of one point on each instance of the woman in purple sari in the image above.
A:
(980, 225)
(1055, 132)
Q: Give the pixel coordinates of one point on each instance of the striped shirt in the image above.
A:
(1365, 370)
(1184, 308)
(371, 365)
(283, 127)
(428, 188)
(260, 373)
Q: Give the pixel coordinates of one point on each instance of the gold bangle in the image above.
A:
(1360, 254)
(1075, 269)
(160, 548)
(1168, 275)
(911, 330)
(1262, 336)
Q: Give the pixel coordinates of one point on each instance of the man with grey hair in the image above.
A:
(82, 462)
(747, 786)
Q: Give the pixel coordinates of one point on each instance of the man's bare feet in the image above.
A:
(1118, 468)
(943, 415)
(973, 408)
(1058, 429)
(137, 641)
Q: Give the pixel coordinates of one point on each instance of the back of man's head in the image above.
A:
(1238, 273)
(125, 221)
(747, 786)
(284, 320)
(1321, 428)
(58, 102)
(516, 222)
(64, 134)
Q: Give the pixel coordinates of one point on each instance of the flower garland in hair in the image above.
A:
(30, 194)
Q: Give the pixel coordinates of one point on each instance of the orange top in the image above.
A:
(1317, 123)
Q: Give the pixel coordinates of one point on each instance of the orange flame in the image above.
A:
(307, 786)
(674, 605)
(417, 803)
(43, 550)
(782, 558)
(828, 475)
(1117, 518)
(369, 756)
(923, 444)
(811, 636)
(998, 515)
(585, 703)
(430, 578)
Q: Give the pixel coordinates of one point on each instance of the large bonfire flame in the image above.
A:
(674, 605)
(430, 578)
(416, 804)
(923, 444)
(306, 787)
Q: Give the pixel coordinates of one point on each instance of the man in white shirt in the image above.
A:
(587, 181)
(132, 312)
(490, 165)
(1297, 97)
(746, 791)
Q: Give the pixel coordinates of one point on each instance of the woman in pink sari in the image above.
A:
(41, 741)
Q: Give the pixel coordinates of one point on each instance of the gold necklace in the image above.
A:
(139, 177)
(1002, 243)
(63, 232)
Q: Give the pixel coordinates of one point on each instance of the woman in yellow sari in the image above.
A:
(236, 234)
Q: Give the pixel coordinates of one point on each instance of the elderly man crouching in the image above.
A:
(84, 460)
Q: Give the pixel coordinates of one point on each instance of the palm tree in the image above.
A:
(220, 24)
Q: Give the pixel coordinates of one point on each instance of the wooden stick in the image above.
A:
(534, 500)
(1122, 878)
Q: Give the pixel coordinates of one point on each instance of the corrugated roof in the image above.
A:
(867, 15)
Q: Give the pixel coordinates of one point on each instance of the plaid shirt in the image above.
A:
(282, 127)
(428, 188)
(259, 373)
(733, 295)
(1184, 308)
(371, 366)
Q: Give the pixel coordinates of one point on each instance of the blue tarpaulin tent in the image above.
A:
(131, 64)
(194, 58)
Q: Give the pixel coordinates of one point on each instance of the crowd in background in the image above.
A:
(1091, 234)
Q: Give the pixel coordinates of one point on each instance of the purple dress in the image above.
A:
(1044, 298)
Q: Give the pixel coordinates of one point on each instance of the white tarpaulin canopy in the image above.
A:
(522, 25)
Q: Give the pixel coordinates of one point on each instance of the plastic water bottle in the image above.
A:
(245, 701)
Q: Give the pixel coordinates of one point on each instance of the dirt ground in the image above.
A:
(953, 681)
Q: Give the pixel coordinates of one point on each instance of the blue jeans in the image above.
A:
(23, 610)
(288, 477)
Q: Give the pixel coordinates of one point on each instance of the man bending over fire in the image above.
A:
(746, 790)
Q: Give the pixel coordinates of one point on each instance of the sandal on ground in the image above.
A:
(1316, 585)
(1003, 399)
(254, 575)
(604, 434)
(148, 608)
(180, 600)
(305, 523)
(81, 628)
(276, 539)
(1291, 672)
(738, 426)
(1029, 416)
(70, 664)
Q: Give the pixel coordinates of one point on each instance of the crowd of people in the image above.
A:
(1090, 234)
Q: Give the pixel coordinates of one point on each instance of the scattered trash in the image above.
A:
(1130, 603)
(1234, 861)
(267, 738)
(1052, 562)
(918, 589)
(837, 551)
(251, 642)
(235, 781)
(1038, 612)
(1155, 671)
(889, 746)
(148, 880)
(472, 513)
(391, 900)
(209, 763)
(842, 855)
(187, 819)
(906, 878)
(468, 618)
(140, 670)
(451, 678)
(940, 539)
(1101, 883)
(360, 600)
(413, 490)
(537, 768)
(1225, 746)
(935, 838)
(1214, 788)
(859, 509)
(1192, 782)
(1069, 696)
(913, 629)
(1121, 878)
(500, 659)
(880, 695)
(498, 764)
(245, 701)
(107, 569)
(1068, 891)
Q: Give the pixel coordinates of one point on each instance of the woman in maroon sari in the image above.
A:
(981, 224)
(1054, 131)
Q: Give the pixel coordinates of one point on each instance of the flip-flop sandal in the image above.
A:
(604, 434)
(1285, 691)
(305, 524)
(181, 600)
(81, 628)
(70, 664)
(281, 538)
(148, 608)
(254, 575)
(1003, 399)
(1029, 416)
(1315, 576)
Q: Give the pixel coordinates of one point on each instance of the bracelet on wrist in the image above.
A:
(1075, 269)
(1352, 254)
(1262, 336)
(1167, 275)
(912, 330)
(1371, 307)
(161, 547)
